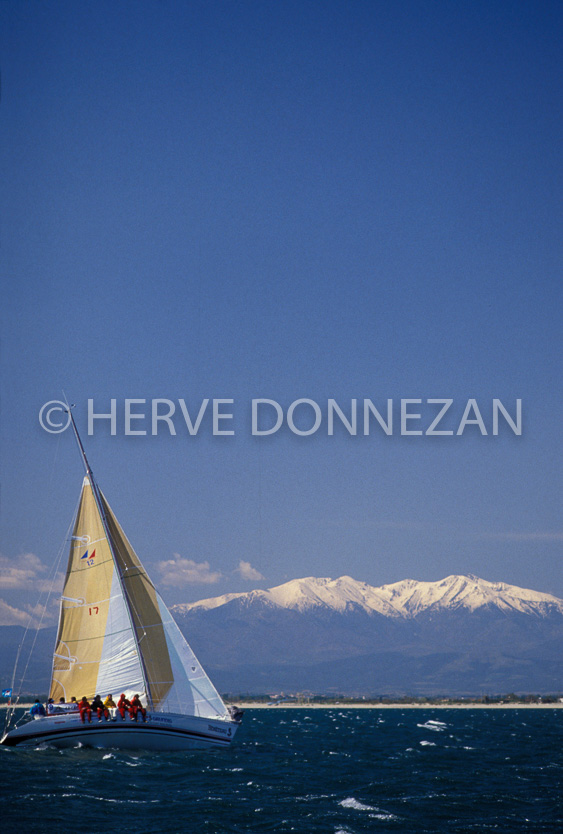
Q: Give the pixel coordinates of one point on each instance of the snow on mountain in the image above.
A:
(467, 592)
(405, 599)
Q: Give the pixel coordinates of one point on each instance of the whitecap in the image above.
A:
(350, 802)
(383, 816)
(312, 797)
(437, 726)
(85, 796)
(108, 756)
(427, 744)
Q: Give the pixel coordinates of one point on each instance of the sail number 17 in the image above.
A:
(93, 610)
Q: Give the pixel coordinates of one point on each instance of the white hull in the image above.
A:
(162, 731)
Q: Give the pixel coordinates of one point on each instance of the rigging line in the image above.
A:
(147, 655)
(9, 712)
(103, 517)
(131, 601)
(50, 580)
(138, 570)
(49, 591)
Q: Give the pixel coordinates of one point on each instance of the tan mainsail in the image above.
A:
(84, 605)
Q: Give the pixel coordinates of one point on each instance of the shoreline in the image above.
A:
(359, 705)
(246, 705)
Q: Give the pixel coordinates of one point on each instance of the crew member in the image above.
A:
(100, 709)
(137, 707)
(122, 705)
(111, 707)
(37, 710)
(85, 710)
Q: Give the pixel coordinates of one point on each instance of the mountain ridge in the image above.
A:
(460, 635)
(405, 599)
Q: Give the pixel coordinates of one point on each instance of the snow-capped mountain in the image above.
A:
(459, 635)
(405, 599)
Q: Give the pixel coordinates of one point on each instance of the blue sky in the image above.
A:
(284, 200)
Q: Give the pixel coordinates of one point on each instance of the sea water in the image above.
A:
(338, 771)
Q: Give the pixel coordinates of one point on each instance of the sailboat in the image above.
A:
(116, 636)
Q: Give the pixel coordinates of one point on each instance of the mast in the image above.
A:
(103, 518)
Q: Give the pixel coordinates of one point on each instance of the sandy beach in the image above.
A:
(360, 705)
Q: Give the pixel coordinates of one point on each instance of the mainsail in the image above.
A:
(115, 632)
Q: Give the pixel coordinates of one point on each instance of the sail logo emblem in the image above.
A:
(89, 559)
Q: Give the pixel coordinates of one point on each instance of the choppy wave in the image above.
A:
(436, 726)
(350, 802)
(307, 771)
